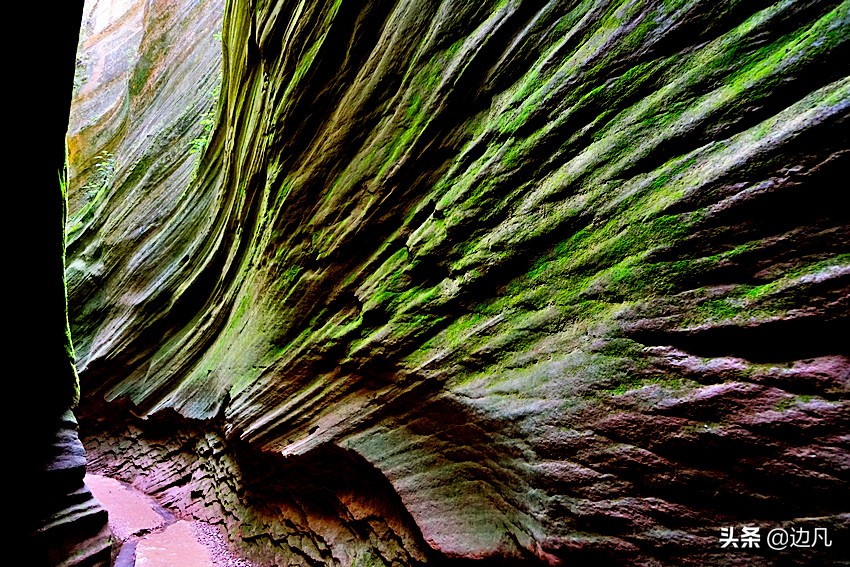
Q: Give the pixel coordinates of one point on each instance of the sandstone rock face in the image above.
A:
(51, 519)
(328, 507)
(555, 282)
(71, 526)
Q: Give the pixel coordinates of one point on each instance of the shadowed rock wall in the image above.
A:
(329, 507)
(52, 519)
(572, 277)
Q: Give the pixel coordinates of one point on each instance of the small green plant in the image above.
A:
(94, 192)
(103, 176)
(199, 144)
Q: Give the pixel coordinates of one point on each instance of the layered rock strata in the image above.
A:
(52, 520)
(327, 508)
(570, 278)
(67, 526)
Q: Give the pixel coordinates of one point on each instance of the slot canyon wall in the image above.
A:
(395, 283)
(52, 519)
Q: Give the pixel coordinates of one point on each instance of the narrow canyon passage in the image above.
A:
(503, 282)
(151, 536)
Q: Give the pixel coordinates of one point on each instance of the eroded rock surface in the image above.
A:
(52, 520)
(63, 524)
(567, 281)
(330, 507)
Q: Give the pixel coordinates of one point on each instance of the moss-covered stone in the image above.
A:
(514, 255)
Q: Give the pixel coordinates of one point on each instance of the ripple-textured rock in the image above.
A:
(573, 277)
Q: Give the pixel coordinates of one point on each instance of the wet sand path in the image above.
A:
(152, 536)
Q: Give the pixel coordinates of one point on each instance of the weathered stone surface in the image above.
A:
(327, 508)
(63, 523)
(51, 518)
(573, 278)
